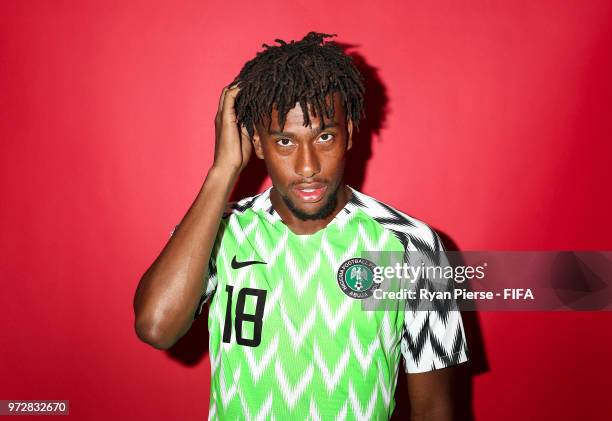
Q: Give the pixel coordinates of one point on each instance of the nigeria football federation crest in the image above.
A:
(356, 278)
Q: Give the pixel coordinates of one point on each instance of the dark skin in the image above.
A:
(430, 395)
(305, 155)
(169, 291)
(310, 154)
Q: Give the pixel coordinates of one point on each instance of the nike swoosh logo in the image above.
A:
(238, 265)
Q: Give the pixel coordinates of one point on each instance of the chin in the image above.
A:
(320, 209)
(311, 212)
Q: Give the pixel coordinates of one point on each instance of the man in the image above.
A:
(285, 278)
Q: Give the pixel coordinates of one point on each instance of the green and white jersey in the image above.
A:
(288, 342)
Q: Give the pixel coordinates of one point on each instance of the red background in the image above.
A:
(496, 132)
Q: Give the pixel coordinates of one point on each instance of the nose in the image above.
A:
(307, 163)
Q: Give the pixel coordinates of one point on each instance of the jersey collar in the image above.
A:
(264, 205)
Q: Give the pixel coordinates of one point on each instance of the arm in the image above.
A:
(169, 291)
(434, 343)
(430, 395)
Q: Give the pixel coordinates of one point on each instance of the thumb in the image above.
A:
(244, 131)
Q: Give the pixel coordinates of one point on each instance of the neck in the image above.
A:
(307, 227)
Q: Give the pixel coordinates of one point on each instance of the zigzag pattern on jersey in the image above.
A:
(426, 331)
(342, 371)
(253, 202)
(333, 371)
(414, 236)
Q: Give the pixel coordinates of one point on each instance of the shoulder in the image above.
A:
(237, 212)
(412, 232)
(240, 219)
(256, 203)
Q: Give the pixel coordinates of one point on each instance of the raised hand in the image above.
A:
(233, 147)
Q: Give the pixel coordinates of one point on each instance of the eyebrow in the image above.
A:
(317, 130)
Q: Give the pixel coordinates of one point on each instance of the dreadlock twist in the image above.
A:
(303, 72)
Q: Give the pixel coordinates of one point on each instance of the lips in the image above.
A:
(310, 192)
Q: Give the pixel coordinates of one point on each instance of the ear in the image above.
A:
(257, 143)
(349, 141)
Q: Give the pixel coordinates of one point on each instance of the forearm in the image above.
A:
(170, 289)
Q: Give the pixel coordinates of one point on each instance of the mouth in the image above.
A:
(310, 192)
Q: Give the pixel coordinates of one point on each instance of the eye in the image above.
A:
(328, 137)
(284, 142)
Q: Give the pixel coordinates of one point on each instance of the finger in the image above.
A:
(224, 92)
(245, 132)
(228, 104)
(222, 98)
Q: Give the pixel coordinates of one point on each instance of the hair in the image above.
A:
(303, 72)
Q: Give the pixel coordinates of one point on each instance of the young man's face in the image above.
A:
(306, 164)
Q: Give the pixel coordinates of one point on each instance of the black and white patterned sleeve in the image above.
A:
(433, 336)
